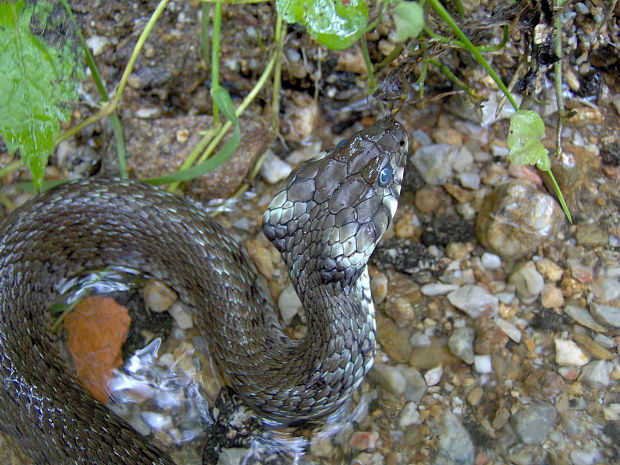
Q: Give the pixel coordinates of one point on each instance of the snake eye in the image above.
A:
(385, 176)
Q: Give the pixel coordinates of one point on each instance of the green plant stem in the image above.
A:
(558, 191)
(215, 55)
(280, 31)
(209, 142)
(10, 167)
(115, 122)
(441, 11)
(205, 12)
(372, 85)
(495, 48)
(111, 106)
(450, 75)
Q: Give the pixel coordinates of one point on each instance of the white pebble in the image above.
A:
(156, 421)
(509, 329)
(473, 300)
(437, 289)
(274, 169)
(289, 304)
(433, 376)
(181, 315)
(482, 364)
(491, 261)
(569, 353)
(409, 416)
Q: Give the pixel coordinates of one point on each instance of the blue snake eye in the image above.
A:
(385, 176)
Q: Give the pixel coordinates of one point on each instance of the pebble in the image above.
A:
(551, 296)
(261, 256)
(379, 287)
(606, 314)
(585, 457)
(596, 374)
(610, 289)
(289, 304)
(474, 300)
(469, 180)
(274, 169)
(515, 218)
(483, 364)
(401, 311)
(427, 199)
(421, 137)
(434, 162)
(527, 281)
(232, 456)
(433, 376)
(409, 415)
(364, 440)
(394, 340)
(97, 44)
(461, 344)
(156, 421)
(182, 316)
(534, 422)
(321, 446)
(509, 329)
(415, 387)
(390, 377)
(616, 102)
(491, 261)
(443, 135)
(569, 353)
(434, 289)
(584, 318)
(590, 235)
(549, 269)
(489, 338)
(463, 161)
(594, 349)
(455, 446)
(158, 297)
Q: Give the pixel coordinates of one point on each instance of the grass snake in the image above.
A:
(325, 222)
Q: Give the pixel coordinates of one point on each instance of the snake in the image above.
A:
(325, 222)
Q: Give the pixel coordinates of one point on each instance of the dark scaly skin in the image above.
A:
(326, 222)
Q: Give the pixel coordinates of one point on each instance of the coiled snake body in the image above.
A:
(326, 223)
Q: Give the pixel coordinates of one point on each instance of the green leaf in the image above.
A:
(224, 102)
(337, 24)
(524, 140)
(38, 77)
(408, 19)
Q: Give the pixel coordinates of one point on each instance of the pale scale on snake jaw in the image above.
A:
(326, 223)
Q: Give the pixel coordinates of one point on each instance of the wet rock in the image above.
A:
(489, 338)
(157, 296)
(390, 377)
(606, 314)
(527, 281)
(393, 340)
(469, 180)
(474, 300)
(274, 169)
(379, 287)
(569, 353)
(433, 376)
(596, 374)
(444, 135)
(551, 297)
(490, 261)
(409, 415)
(416, 384)
(428, 198)
(401, 311)
(182, 316)
(549, 269)
(509, 329)
(534, 422)
(583, 317)
(289, 304)
(455, 446)
(461, 344)
(364, 440)
(592, 347)
(516, 218)
(483, 364)
(590, 235)
(585, 457)
(434, 162)
(404, 255)
(146, 137)
(433, 289)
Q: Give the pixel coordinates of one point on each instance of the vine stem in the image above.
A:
(111, 106)
(443, 13)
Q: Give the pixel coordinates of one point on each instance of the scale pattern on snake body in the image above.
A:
(326, 223)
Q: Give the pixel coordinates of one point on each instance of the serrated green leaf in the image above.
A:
(525, 140)
(337, 24)
(408, 19)
(37, 80)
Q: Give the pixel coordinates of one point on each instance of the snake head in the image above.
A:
(334, 209)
